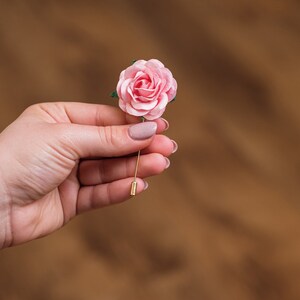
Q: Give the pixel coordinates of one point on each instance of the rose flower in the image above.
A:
(145, 88)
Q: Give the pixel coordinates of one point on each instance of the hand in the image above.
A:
(60, 159)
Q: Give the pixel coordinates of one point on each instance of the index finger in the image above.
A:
(96, 114)
(93, 114)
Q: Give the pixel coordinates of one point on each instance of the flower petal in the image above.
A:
(145, 88)
(162, 101)
(131, 71)
(144, 105)
(122, 104)
(155, 115)
(140, 62)
(123, 92)
(173, 90)
(134, 112)
(154, 63)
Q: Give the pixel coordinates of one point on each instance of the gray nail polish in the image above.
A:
(142, 131)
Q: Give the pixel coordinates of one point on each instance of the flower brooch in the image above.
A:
(144, 89)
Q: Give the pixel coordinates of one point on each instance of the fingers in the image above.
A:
(91, 114)
(162, 125)
(161, 144)
(79, 141)
(113, 141)
(90, 197)
(96, 114)
(94, 172)
(103, 115)
(89, 134)
(83, 113)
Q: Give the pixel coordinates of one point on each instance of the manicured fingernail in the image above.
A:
(168, 163)
(167, 125)
(142, 131)
(146, 185)
(175, 146)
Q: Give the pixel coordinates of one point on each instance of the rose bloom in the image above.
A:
(145, 88)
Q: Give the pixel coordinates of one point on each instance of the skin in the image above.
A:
(58, 160)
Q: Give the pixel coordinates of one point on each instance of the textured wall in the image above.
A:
(223, 223)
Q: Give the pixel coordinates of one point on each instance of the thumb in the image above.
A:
(107, 141)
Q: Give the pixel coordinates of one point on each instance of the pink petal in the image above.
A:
(153, 116)
(167, 75)
(162, 102)
(134, 112)
(173, 90)
(140, 74)
(154, 63)
(123, 90)
(122, 104)
(144, 92)
(140, 62)
(122, 75)
(131, 71)
(144, 105)
(130, 92)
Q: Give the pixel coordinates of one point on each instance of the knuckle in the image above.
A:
(109, 136)
(66, 145)
(32, 108)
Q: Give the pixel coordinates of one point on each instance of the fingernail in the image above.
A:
(142, 131)
(167, 125)
(175, 146)
(146, 185)
(168, 163)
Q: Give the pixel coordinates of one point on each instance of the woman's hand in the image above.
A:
(60, 159)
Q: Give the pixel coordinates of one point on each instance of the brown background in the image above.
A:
(223, 223)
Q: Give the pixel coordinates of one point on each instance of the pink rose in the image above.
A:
(145, 88)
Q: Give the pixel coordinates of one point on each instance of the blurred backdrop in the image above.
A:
(223, 223)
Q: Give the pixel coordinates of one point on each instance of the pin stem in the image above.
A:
(134, 182)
